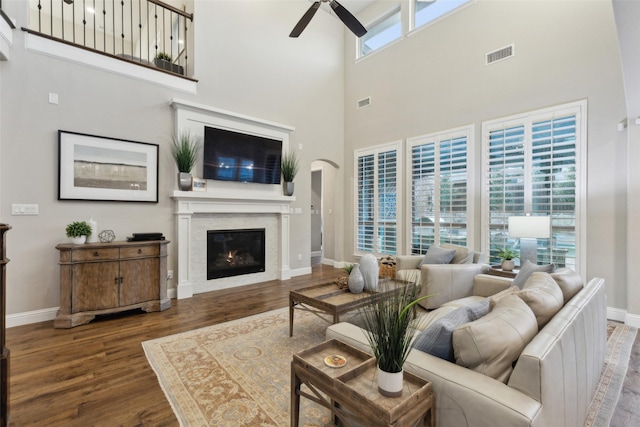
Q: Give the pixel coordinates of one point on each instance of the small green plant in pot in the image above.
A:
(185, 150)
(289, 166)
(388, 323)
(78, 231)
(507, 255)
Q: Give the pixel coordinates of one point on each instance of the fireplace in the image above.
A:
(235, 252)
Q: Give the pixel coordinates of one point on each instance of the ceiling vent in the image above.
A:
(500, 54)
(365, 102)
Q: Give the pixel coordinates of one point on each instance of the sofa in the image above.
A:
(446, 281)
(551, 381)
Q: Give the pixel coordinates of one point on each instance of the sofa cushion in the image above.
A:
(437, 255)
(463, 255)
(493, 299)
(543, 296)
(436, 339)
(569, 281)
(526, 269)
(492, 343)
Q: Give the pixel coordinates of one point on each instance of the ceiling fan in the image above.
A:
(345, 16)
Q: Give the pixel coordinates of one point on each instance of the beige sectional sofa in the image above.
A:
(553, 380)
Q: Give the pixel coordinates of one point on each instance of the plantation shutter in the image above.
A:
(377, 193)
(423, 190)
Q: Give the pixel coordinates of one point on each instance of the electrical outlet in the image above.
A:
(169, 274)
(299, 257)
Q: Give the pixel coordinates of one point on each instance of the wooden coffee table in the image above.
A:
(328, 299)
(351, 392)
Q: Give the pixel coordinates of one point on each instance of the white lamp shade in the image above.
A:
(533, 227)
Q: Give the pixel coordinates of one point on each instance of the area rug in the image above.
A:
(238, 373)
(620, 340)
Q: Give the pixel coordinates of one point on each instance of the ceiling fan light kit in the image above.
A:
(345, 16)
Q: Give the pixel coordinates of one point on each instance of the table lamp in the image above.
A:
(529, 228)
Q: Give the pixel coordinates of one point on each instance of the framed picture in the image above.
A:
(99, 168)
(198, 184)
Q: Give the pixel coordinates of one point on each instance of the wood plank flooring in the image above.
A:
(97, 374)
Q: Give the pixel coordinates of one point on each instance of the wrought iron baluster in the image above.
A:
(39, 17)
(122, 26)
(84, 22)
(104, 25)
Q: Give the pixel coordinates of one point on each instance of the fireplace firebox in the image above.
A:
(235, 252)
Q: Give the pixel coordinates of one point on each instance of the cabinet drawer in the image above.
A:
(140, 251)
(95, 254)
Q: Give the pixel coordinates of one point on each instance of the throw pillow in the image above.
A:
(569, 281)
(436, 339)
(492, 343)
(527, 269)
(543, 296)
(463, 255)
(437, 255)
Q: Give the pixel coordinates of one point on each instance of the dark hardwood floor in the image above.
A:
(97, 374)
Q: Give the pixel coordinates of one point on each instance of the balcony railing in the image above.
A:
(149, 33)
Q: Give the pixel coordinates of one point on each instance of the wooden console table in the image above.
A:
(4, 351)
(101, 278)
(351, 391)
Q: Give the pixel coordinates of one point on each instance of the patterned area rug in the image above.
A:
(238, 373)
(619, 343)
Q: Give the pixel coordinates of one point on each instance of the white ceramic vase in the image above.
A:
(508, 265)
(390, 383)
(370, 272)
(79, 240)
(356, 281)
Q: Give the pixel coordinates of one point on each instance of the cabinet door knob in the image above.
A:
(139, 251)
(96, 253)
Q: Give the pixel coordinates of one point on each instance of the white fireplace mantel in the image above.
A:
(190, 204)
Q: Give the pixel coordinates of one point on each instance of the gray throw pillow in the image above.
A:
(437, 338)
(527, 269)
(437, 255)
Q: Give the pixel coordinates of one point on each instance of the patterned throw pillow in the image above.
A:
(527, 269)
(437, 255)
(436, 339)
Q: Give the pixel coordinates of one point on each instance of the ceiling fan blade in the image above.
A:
(349, 20)
(304, 21)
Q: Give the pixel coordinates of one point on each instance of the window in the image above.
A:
(439, 193)
(429, 10)
(381, 33)
(377, 189)
(532, 165)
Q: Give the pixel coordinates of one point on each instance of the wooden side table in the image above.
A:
(351, 392)
(496, 270)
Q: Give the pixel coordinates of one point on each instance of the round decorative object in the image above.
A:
(390, 383)
(335, 361)
(107, 236)
(356, 281)
(370, 272)
(508, 265)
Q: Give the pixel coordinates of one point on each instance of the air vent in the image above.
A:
(499, 55)
(365, 102)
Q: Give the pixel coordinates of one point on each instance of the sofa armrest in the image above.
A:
(408, 262)
(447, 282)
(485, 285)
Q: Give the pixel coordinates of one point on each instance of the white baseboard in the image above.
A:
(316, 253)
(620, 315)
(29, 317)
(300, 271)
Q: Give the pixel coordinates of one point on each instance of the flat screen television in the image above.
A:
(234, 156)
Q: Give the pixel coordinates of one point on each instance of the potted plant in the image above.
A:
(78, 231)
(289, 166)
(507, 255)
(163, 60)
(186, 152)
(388, 325)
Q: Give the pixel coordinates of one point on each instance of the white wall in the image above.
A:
(436, 79)
(245, 63)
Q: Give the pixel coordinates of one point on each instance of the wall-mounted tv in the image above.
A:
(235, 156)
